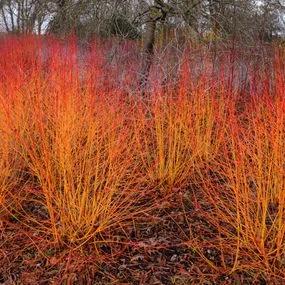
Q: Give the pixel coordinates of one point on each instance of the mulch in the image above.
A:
(152, 251)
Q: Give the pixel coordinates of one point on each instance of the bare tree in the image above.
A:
(156, 12)
(23, 16)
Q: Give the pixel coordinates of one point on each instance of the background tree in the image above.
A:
(131, 18)
(23, 16)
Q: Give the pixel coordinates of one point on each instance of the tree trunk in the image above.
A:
(59, 24)
(148, 51)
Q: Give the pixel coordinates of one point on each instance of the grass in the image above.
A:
(8, 173)
(245, 193)
(176, 136)
(90, 175)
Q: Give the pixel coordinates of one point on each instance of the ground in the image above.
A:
(153, 251)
